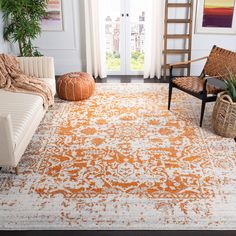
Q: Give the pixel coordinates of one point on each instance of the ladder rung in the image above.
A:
(186, 66)
(187, 21)
(177, 36)
(179, 4)
(177, 51)
(178, 21)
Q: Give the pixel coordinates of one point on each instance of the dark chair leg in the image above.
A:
(202, 112)
(170, 94)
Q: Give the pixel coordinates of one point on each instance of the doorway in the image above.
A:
(125, 36)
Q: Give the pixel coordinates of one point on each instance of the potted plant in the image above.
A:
(224, 114)
(22, 23)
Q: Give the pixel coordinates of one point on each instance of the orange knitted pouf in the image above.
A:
(75, 86)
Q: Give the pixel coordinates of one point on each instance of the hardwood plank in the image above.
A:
(179, 5)
(165, 39)
(179, 66)
(187, 36)
(177, 36)
(179, 21)
(178, 51)
(119, 233)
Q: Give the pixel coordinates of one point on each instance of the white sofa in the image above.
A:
(20, 114)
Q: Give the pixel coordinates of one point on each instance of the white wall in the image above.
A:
(65, 46)
(4, 47)
(201, 43)
(68, 47)
(1, 35)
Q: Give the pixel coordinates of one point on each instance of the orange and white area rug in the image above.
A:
(121, 160)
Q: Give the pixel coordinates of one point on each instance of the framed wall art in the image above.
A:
(216, 17)
(54, 19)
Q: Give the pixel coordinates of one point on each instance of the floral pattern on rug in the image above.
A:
(121, 160)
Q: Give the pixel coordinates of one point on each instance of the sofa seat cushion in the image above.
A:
(22, 108)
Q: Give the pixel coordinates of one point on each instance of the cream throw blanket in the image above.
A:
(14, 80)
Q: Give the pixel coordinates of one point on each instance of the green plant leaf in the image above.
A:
(230, 83)
(22, 22)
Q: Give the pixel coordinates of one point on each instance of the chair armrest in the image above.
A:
(183, 63)
(188, 62)
(39, 67)
(7, 157)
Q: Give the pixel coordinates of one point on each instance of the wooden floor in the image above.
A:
(126, 79)
(118, 233)
(129, 79)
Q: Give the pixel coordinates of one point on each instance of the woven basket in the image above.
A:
(224, 116)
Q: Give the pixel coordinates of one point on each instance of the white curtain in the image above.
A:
(95, 38)
(154, 39)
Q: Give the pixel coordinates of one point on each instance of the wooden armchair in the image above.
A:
(210, 82)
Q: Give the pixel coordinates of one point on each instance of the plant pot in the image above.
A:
(224, 116)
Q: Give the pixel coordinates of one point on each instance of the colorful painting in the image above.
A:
(54, 19)
(218, 13)
(216, 17)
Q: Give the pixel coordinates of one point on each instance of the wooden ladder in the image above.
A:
(188, 23)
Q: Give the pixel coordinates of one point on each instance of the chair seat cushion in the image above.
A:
(195, 85)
